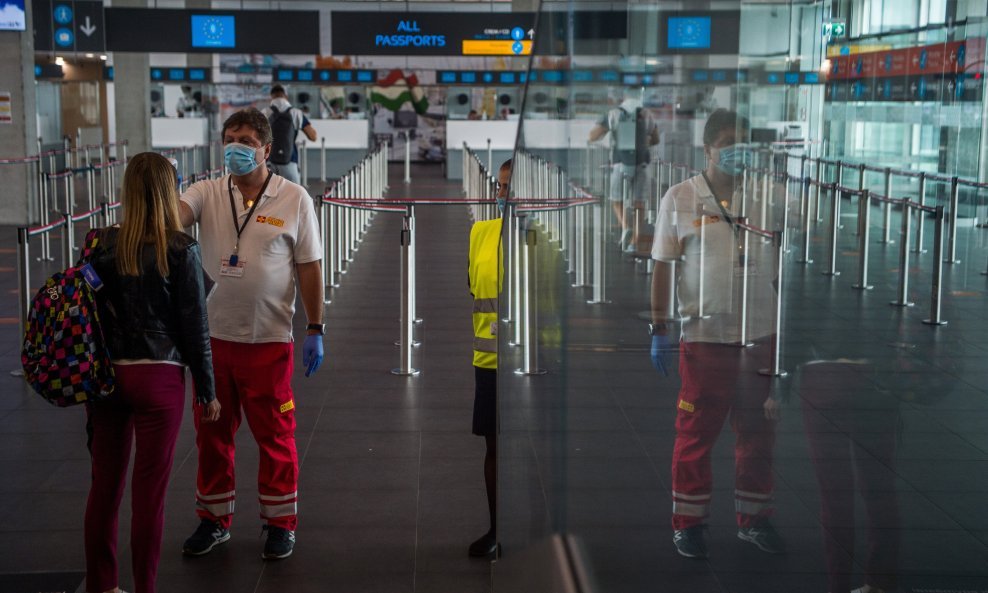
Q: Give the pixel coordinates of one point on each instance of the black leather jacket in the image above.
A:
(150, 317)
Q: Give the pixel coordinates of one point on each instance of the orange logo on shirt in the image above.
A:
(710, 219)
(289, 405)
(271, 220)
(686, 406)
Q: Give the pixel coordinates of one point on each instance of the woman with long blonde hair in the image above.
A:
(152, 306)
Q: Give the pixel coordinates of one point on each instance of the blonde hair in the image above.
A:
(150, 205)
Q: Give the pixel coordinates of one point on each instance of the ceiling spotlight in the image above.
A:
(103, 57)
(90, 55)
(59, 61)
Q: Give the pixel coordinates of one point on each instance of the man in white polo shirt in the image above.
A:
(259, 235)
(722, 286)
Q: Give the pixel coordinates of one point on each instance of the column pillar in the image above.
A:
(132, 90)
(20, 138)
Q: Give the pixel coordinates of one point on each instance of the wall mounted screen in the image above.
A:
(688, 32)
(12, 15)
(214, 31)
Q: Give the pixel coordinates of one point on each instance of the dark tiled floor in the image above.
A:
(391, 488)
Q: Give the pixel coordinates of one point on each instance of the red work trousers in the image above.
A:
(252, 381)
(717, 380)
(146, 406)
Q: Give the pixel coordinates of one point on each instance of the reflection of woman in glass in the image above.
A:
(852, 427)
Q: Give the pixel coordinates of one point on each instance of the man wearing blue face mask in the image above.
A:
(259, 236)
(722, 288)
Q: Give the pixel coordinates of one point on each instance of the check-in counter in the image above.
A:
(476, 133)
(347, 142)
(176, 132)
(552, 138)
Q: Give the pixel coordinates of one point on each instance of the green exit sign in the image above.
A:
(834, 29)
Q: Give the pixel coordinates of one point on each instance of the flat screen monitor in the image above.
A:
(214, 31)
(197, 74)
(12, 15)
(764, 135)
(176, 74)
(688, 32)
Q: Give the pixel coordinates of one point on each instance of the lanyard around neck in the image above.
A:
(233, 206)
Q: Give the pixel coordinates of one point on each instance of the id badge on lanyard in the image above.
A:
(234, 266)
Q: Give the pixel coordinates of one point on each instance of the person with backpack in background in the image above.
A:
(286, 121)
(152, 308)
(632, 132)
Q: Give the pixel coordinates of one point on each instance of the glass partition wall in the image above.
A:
(723, 363)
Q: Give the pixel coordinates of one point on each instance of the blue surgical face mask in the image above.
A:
(734, 159)
(240, 158)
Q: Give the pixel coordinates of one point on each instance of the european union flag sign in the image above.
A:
(691, 32)
(213, 31)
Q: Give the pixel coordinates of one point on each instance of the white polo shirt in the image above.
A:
(687, 208)
(283, 231)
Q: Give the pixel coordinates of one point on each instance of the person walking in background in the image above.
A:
(485, 273)
(260, 237)
(286, 122)
(153, 311)
(726, 297)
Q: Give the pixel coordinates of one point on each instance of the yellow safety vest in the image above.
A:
(486, 274)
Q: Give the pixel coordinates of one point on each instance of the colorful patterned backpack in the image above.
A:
(64, 356)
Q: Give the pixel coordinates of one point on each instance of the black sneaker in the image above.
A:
(764, 536)
(208, 535)
(485, 546)
(280, 543)
(690, 542)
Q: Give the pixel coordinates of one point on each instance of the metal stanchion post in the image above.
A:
(744, 255)
(408, 157)
(530, 321)
(887, 218)
(864, 216)
(903, 300)
(804, 213)
(780, 259)
(490, 157)
(834, 225)
(23, 276)
(413, 291)
(819, 188)
(952, 227)
(327, 266)
(936, 289)
(519, 315)
(599, 255)
(406, 315)
(68, 245)
(920, 213)
(322, 160)
(507, 228)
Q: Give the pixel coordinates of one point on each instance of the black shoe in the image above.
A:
(690, 541)
(485, 546)
(208, 535)
(764, 536)
(280, 543)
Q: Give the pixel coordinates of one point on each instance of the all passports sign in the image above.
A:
(409, 34)
(432, 33)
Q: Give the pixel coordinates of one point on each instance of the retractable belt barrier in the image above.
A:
(52, 197)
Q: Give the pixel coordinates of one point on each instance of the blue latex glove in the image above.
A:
(312, 353)
(660, 345)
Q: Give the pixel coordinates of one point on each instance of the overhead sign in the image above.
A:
(325, 76)
(212, 31)
(835, 29)
(708, 32)
(432, 33)
(68, 25)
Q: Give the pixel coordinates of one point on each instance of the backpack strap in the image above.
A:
(90, 243)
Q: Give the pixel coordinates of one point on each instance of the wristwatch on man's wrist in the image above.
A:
(317, 327)
(655, 328)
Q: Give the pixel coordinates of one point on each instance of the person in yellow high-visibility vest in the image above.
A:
(486, 272)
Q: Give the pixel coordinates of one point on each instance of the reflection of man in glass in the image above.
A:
(632, 133)
(726, 301)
